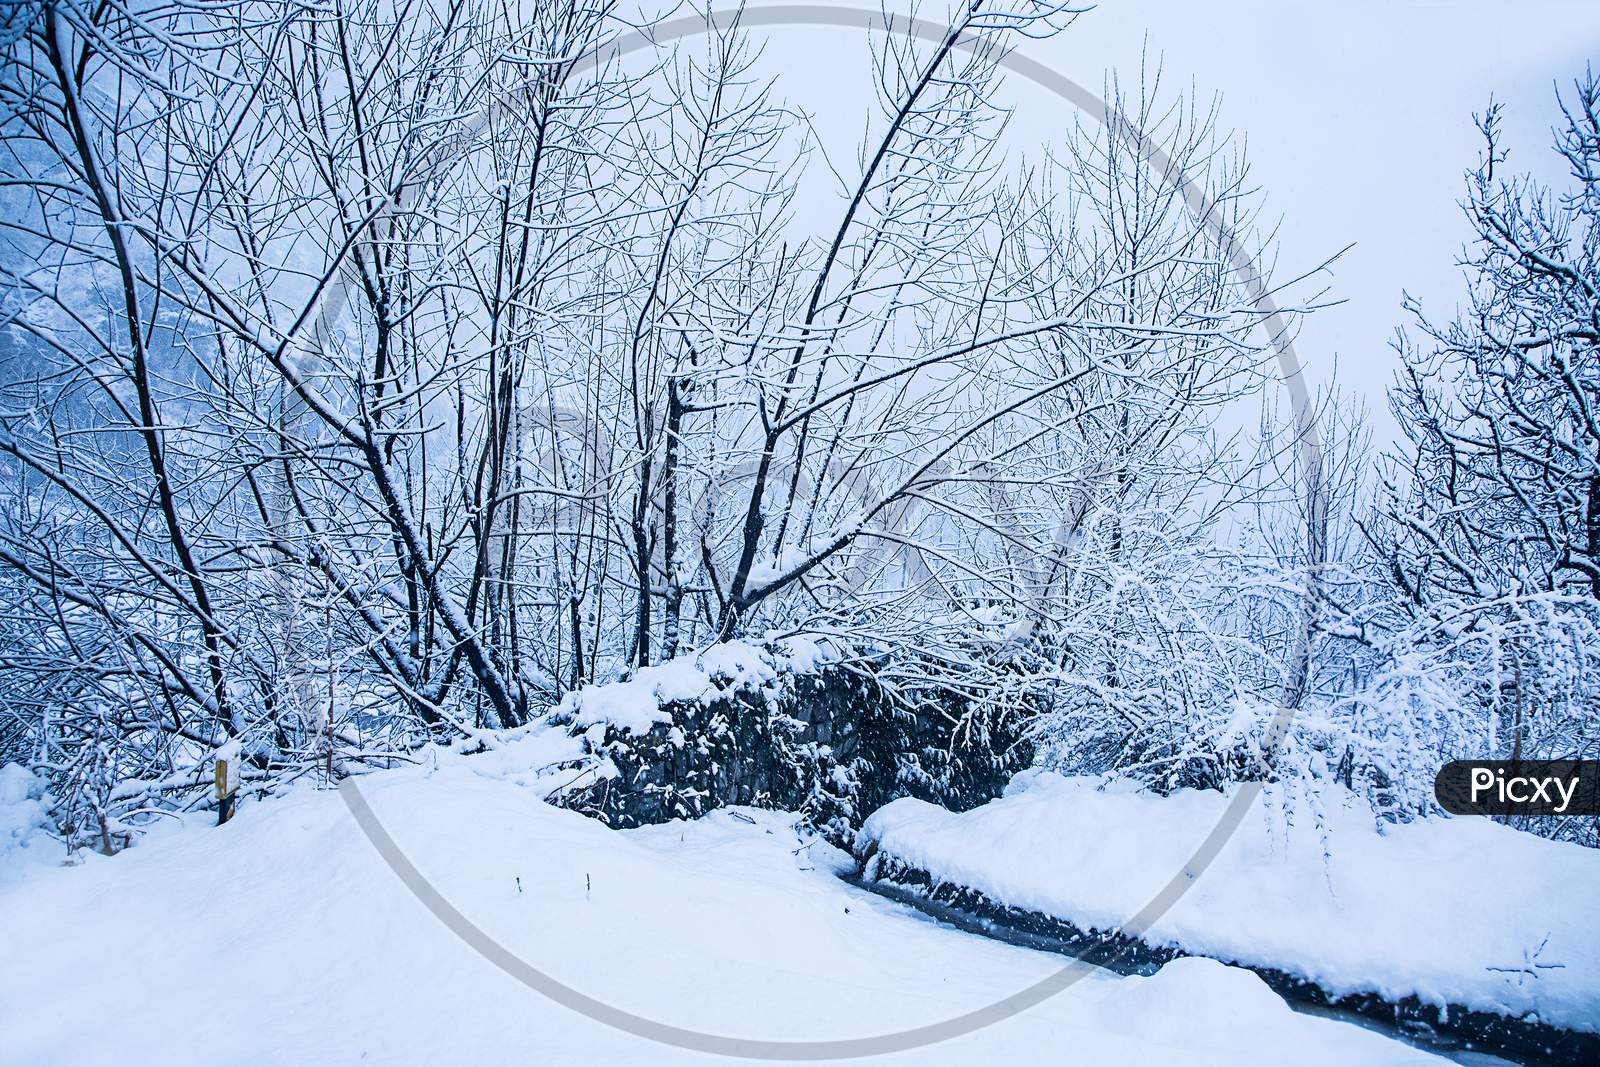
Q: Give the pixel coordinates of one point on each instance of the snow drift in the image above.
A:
(312, 951)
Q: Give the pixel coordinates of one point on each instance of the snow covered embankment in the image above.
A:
(1453, 912)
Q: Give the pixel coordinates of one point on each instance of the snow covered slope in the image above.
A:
(1454, 911)
(283, 938)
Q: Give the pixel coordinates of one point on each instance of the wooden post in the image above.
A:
(225, 791)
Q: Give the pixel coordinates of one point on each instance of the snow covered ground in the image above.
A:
(283, 937)
(1456, 911)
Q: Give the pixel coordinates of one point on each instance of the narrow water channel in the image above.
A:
(1449, 1046)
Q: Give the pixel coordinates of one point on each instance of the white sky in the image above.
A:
(1358, 119)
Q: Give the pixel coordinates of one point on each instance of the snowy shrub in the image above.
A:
(25, 815)
(1170, 659)
(1515, 678)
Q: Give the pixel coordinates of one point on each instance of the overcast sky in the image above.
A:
(1358, 118)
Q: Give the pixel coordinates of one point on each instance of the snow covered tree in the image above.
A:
(1149, 639)
(1489, 517)
(378, 373)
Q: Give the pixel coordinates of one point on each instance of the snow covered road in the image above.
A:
(283, 937)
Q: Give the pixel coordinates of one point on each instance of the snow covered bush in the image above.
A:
(1156, 678)
(25, 822)
(1512, 678)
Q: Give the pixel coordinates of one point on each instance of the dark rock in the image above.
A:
(832, 744)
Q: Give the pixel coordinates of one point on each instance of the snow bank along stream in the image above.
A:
(1459, 924)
